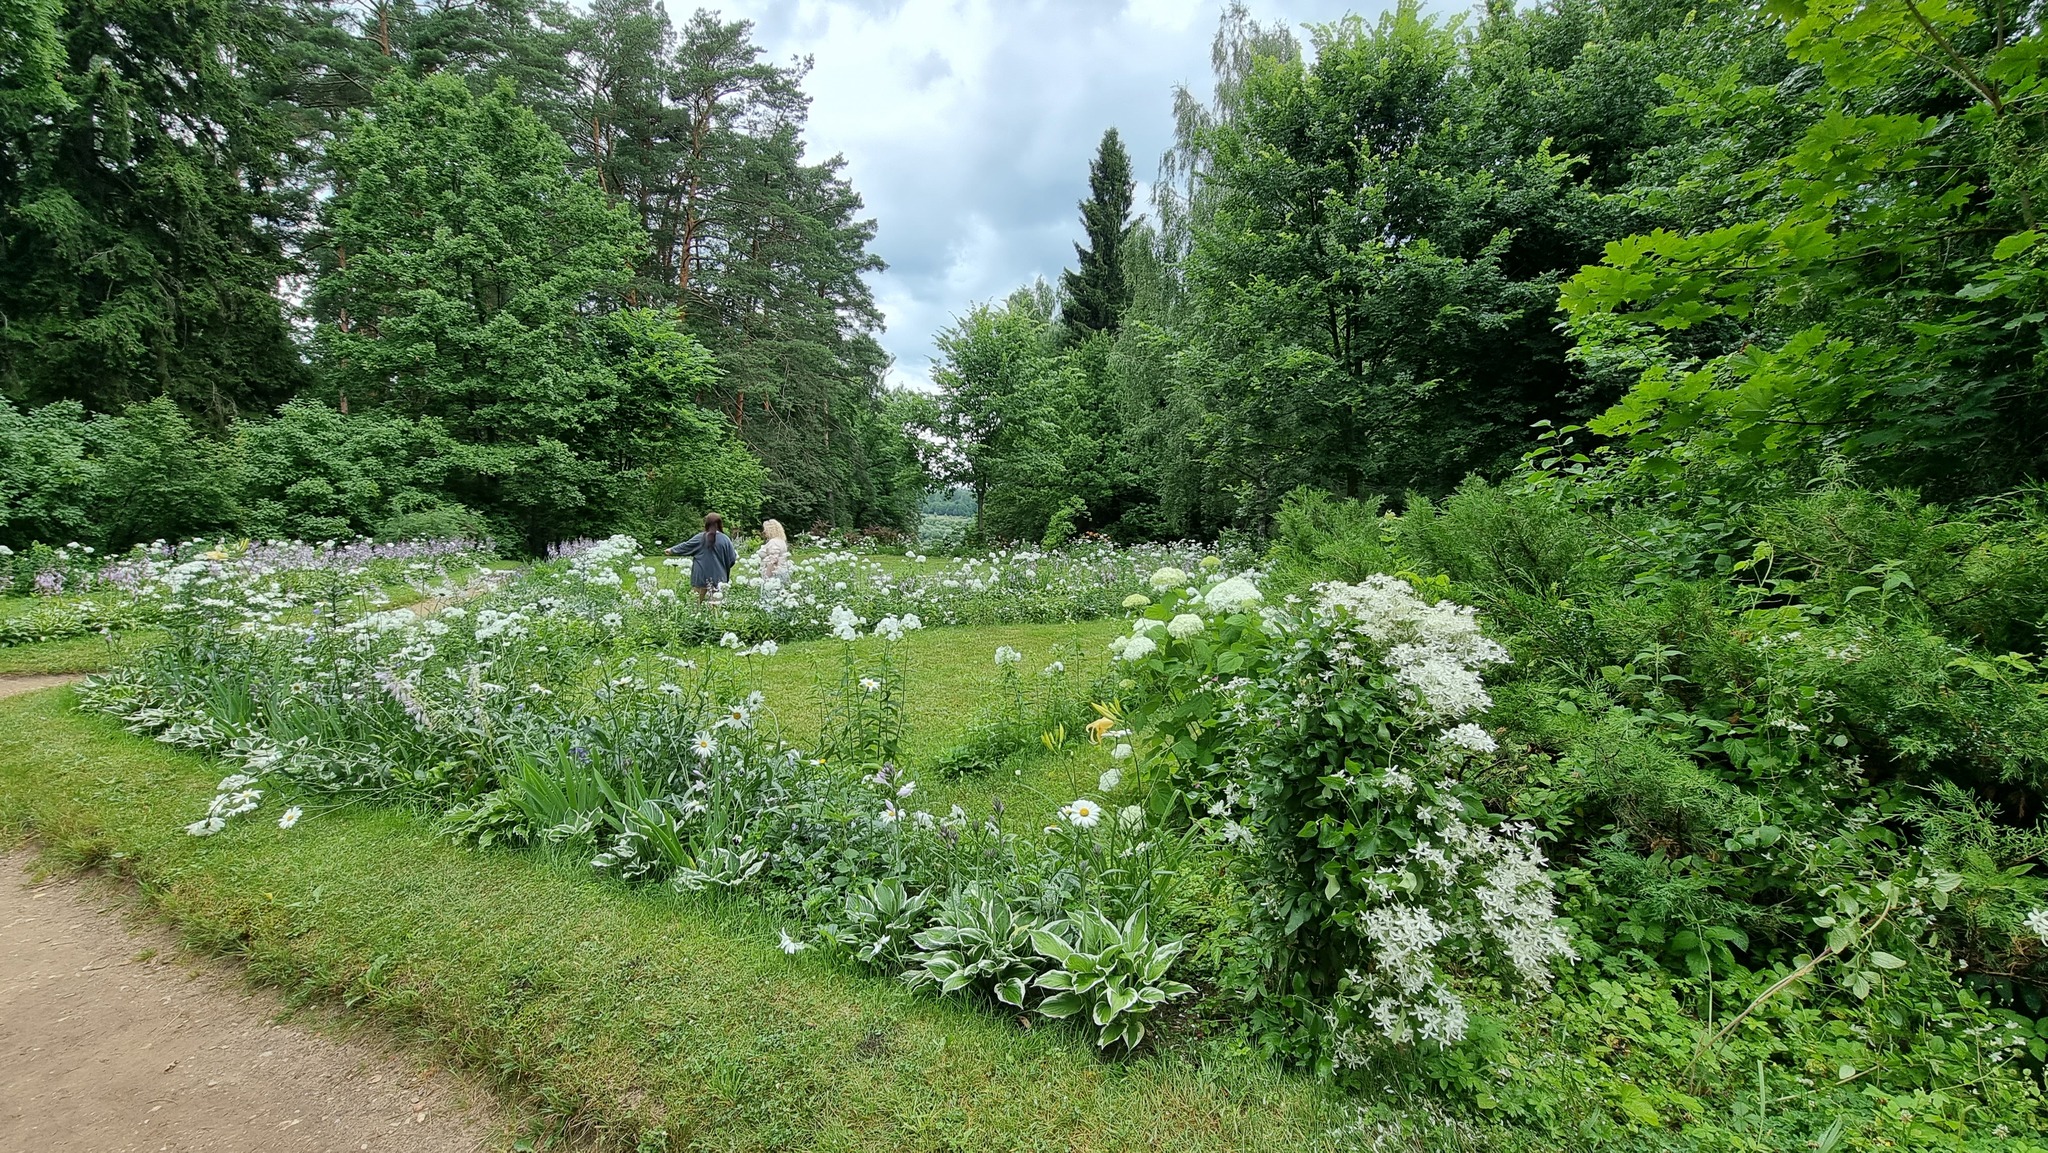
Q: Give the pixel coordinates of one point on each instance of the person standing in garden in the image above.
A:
(774, 556)
(711, 556)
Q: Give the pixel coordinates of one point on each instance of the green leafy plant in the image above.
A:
(877, 921)
(977, 942)
(1114, 973)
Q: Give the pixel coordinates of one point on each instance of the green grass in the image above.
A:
(950, 677)
(618, 1011)
(73, 654)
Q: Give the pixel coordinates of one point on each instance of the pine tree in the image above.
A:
(1096, 292)
(144, 205)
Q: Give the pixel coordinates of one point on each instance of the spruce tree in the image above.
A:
(1096, 292)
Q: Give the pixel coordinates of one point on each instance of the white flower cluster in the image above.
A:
(232, 797)
(598, 564)
(1420, 923)
(892, 628)
(1435, 650)
(845, 625)
(2038, 922)
(1232, 596)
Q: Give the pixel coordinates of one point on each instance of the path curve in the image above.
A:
(107, 1046)
(14, 686)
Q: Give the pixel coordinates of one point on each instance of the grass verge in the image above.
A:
(637, 1017)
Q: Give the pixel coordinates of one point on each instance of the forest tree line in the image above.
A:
(356, 268)
(1783, 242)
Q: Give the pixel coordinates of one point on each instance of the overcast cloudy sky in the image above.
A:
(967, 125)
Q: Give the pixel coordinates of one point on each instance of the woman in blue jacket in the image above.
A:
(711, 555)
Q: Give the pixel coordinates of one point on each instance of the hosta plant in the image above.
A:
(1114, 973)
(877, 921)
(978, 943)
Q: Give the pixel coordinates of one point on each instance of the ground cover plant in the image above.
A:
(636, 1017)
(71, 591)
(1287, 824)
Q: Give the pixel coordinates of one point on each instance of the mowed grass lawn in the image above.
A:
(951, 681)
(637, 1016)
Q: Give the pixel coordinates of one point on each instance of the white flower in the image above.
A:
(908, 788)
(1122, 752)
(1110, 779)
(890, 814)
(1469, 737)
(889, 628)
(234, 783)
(1053, 669)
(1184, 626)
(869, 684)
(2038, 922)
(703, 746)
(1135, 648)
(1082, 813)
(206, 826)
(1168, 578)
(911, 623)
(1137, 601)
(1005, 655)
(845, 625)
(791, 945)
(290, 817)
(730, 640)
(1234, 595)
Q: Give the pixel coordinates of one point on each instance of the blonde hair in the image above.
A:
(771, 529)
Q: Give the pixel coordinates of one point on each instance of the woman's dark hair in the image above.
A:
(713, 525)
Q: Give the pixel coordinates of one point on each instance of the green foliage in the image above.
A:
(976, 942)
(469, 261)
(1353, 281)
(1853, 268)
(317, 474)
(1319, 537)
(1096, 293)
(156, 477)
(45, 476)
(1112, 974)
(140, 254)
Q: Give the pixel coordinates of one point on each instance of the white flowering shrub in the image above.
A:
(1323, 741)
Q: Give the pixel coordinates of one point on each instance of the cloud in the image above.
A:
(967, 126)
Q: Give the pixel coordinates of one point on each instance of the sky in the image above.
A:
(967, 126)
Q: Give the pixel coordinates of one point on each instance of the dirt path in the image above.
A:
(11, 686)
(106, 1046)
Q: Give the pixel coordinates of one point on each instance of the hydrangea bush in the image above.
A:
(1323, 739)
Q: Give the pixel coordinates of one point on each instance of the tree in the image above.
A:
(1007, 401)
(761, 254)
(470, 269)
(144, 205)
(1096, 293)
(1859, 274)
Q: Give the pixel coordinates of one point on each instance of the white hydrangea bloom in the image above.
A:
(1184, 626)
(1234, 595)
(1168, 578)
(1135, 648)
